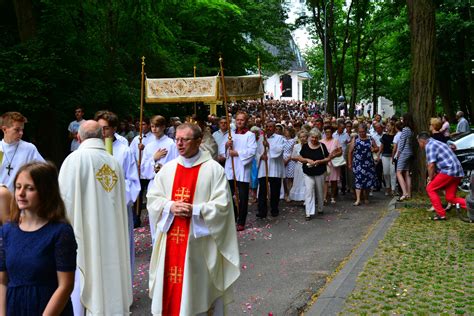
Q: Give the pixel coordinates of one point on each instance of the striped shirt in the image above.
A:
(446, 161)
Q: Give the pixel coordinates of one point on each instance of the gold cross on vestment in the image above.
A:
(176, 275)
(182, 194)
(177, 235)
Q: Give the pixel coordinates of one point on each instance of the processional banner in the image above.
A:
(202, 89)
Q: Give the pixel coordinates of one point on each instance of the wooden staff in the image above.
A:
(195, 106)
(264, 134)
(236, 191)
(140, 136)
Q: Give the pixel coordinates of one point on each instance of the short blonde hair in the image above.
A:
(436, 123)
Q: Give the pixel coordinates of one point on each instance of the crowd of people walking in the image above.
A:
(74, 229)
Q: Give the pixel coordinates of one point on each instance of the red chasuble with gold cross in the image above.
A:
(184, 186)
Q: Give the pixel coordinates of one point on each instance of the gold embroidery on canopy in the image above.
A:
(107, 177)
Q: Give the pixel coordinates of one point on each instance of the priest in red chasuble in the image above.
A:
(195, 258)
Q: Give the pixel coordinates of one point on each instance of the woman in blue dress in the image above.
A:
(362, 163)
(37, 247)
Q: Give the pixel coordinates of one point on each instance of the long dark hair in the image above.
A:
(45, 179)
(408, 120)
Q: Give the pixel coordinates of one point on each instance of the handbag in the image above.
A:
(328, 169)
(338, 161)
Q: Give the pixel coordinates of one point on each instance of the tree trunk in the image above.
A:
(25, 18)
(374, 85)
(422, 81)
(355, 80)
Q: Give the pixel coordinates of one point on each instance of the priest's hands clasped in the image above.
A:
(182, 209)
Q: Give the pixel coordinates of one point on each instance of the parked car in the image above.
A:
(463, 146)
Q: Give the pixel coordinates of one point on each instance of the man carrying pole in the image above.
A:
(242, 149)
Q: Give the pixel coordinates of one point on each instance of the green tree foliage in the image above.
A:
(378, 59)
(55, 55)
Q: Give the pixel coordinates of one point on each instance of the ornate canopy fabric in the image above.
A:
(202, 89)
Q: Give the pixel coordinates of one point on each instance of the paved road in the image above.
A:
(284, 260)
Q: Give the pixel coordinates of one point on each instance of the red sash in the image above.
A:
(184, 186)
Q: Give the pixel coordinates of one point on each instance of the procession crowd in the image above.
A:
(73, 230)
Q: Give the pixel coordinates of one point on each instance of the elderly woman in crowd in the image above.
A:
(362, 163)
(335, 150)
(297, 192)
(290, 141)
(314, 156)
(435, 129)
(404, 156)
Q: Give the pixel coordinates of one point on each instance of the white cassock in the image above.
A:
(148, 162)
(146, 139)
(16, 155)
(121, 139)
(276, 165)
(124, 156)
(211, 263)
(246, 146)
(93, 189)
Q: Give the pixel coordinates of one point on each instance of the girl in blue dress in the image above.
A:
(37, 247)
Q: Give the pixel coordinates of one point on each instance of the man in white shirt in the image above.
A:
(463, 124)
(136, 147)
(220, 136)
(14, 152)
(241, 150)
(271, 151)
(73, 127)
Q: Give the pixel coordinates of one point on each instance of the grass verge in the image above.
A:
(420, 267)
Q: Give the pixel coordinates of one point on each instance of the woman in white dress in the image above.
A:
(297, 192)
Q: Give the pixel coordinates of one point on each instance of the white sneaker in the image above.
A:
(431, 209)
(371, 194)
(448, 207)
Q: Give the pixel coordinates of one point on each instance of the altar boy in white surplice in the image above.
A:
(157, 153)
(93, 189)
(195, 258)
(14, 152)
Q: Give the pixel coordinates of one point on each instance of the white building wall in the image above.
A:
(272, 87)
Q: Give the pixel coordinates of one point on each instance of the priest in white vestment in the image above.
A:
(93, 189)
(14, 152)
(195, 258)
(242, 150)
(109, 123)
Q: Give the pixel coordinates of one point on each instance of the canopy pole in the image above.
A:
(140, 136)
(236, 191)
(264, 134)
(195, 106)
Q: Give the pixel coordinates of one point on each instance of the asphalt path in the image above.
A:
(284, 260)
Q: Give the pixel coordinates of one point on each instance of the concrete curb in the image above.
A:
(332, 299)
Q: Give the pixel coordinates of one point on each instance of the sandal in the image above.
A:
(403, 198)
(356, 203)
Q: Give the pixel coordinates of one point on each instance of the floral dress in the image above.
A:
(363, 165)
(287, 150)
